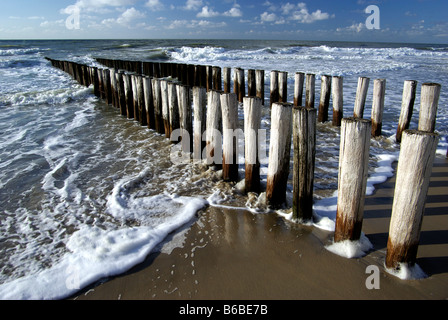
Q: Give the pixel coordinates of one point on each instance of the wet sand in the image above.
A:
(238, 255)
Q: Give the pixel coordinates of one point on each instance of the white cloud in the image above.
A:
(182, 24)
(268, 17)
(207, 13)
(154, 5)
(303, 16)
(356, 27)
(193, 5)
(234, 12)
(125, 19)
(96, 5)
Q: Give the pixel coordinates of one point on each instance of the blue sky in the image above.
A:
(345, 20)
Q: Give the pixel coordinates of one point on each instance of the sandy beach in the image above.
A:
(238, 255)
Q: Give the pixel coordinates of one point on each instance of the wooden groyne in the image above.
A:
(194, 104)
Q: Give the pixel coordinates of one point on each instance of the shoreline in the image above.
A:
(237, 255)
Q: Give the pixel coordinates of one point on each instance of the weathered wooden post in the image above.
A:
(283, 86)
(299, 79)
(353, 173)
(412, 182)
(338, 100)
(113, 86)
(379, 93)
(407, 108)
(135, 96)
(96, 83)
(199, 125)
(209, 73)
(173, 107)
(229, 108)
(251, 84)
(185, 116)
(325, 94)
(252, 121)
(428, 108)
(227, 75)
(239, 84)
(121, 93)
(259, 84)
(149, 102)
(304, 141)
(157, 96)
(107, 86)
(141, 101)
(165, 107)
(128, 94)
(217, 78)
(279, 154)
(310, 87)
(274, 88)
(213, 150)
(361, 95)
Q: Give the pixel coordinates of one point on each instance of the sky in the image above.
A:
(417, 21)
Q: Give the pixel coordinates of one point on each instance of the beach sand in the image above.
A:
(237, 255)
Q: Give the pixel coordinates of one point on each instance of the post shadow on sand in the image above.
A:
(436, 205)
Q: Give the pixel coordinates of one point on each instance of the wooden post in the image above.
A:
(274, 88)
(361, 95)
(229, 108)
(259, 84)
(338, 100)
(128, 94)
(209, 74)
(173, 106)
(413, 175)
(121, 93)
(135, 95)
(252, 121)
(325, 93)
(239, 84)
(283, 86)
(185, 116)
(279, 154)
(113, 86)
(217, 78)
(299, 79)
(304, 141)
(251, 84)
(141, 101)
(379, 93)
(213, 129)
(428, 108)
(407, 108)
(165, 107)
(157, 96)
(227, 79)
(96, 83)
(149, 102)
(353, 172)
(310, 90)
(107, 86)
(199, 125)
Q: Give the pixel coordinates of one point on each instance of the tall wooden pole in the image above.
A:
(428, 108)
(353, 173)
(279, 154)
(199, 125)
(361, 96)
(229, 107)
(304, 141)
(325, 94)
(379, 93)
(252, 121)
(274, 88)
(283, 86)
(214, 128)
(338, 100)
(299, 79)
(310, 90)
(259, 84)
(407, 108)
(413, 175)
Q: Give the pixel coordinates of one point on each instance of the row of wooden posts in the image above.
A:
(158, 96)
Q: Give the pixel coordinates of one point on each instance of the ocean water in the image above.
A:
(86, 194)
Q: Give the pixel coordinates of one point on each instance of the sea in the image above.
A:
(86, 194)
